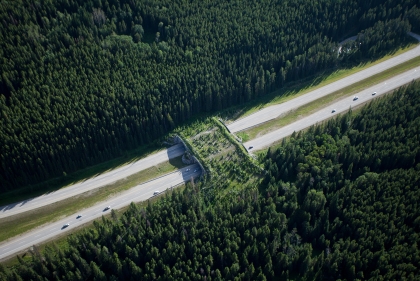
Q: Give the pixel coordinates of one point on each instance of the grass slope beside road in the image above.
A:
(292, 90)
(24, 222)
(62, 242)
(21, 223)
(58, 183)
(314, 106)
(295, 89)
(354, 111)
(18, 224)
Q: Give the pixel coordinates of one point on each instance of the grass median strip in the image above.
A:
(69, 179)
(314, 106)
(302, 87)
(18, 224)
(61, 241)
(275, 145)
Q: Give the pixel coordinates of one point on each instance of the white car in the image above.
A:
(355, 98)
(195, 170)
(156, 192)
(187, 170)
(333, 111)
(374, 93)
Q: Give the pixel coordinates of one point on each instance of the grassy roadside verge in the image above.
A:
(292, 90)
(62, 242)
(133, 156)
(262, 153)
(18, 224)
(320, 103)
(60, 182)
(295, 89)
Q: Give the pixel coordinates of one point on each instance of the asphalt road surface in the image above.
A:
(92, 183)
(340, 106)
(275, 111)
(136, 194)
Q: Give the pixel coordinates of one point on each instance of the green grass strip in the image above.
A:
(303, 86)
(69, 179)
(21, 223)
(331, 98)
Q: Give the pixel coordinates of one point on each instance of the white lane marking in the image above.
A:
(133, 196)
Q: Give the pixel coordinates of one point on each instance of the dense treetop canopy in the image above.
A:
(83, 81)
(339, 202)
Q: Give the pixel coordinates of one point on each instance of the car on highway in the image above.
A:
(355, 98)
(187, 170)
(251, 147)
(374, 93)
(78, 216)
(156, 192)
(66, 225)
(107, 208)
(333, 111)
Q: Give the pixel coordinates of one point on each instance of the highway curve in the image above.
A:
(340, 106)
(136, 194)
(92, 183)
(275, 111)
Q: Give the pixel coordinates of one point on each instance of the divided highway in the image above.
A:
(136, 194)
(275, 111)
(92, 183)
(146, 190)
(340, 106)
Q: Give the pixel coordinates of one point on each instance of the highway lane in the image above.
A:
(275, 111)
(340, 106)
(92, 183)
(136, 194)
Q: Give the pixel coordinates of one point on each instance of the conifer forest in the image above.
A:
(83, 81)
(338, 202)
(87, 81)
